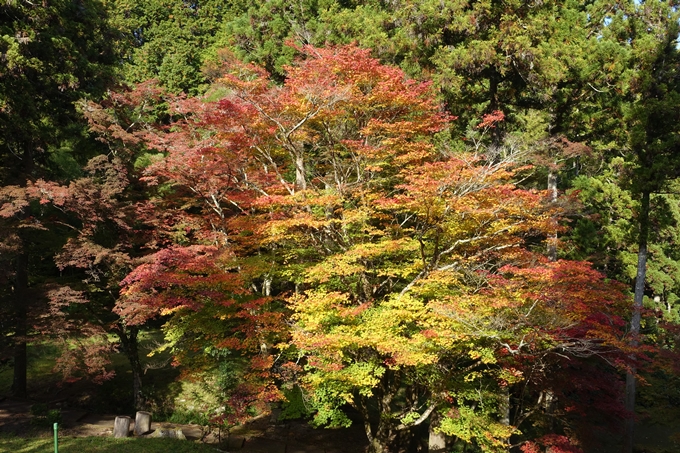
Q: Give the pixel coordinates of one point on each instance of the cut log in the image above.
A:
(142, 423)
(121, 427)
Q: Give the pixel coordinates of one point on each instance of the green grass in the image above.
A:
(101, 445)
(41, 360)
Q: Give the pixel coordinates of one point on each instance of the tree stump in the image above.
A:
(142, 423)
(121, 427)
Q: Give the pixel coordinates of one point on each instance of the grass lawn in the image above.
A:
(101, 445)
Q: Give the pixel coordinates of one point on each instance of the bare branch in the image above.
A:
(419, 420)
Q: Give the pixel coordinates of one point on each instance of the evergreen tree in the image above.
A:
(170, 40)
(631, 121)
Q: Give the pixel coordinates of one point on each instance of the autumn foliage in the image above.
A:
(322, 231)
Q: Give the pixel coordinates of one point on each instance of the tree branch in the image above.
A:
(419, 420)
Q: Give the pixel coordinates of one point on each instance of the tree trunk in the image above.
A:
(19, 382)
(385, 433)
(629, 436)
(436, 440)
(128, 338)
(496, 132)
(504, 410)
(362, 405)
(380, 429)
(267, 285)
(20, 293)
(300, 178)
(386, 438)
(552, 240)
(379, 447)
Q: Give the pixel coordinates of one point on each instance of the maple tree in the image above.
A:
(448, 316)
(410, 268)
(53, 54)
(112, 224)
(105, 234)
(194, 187)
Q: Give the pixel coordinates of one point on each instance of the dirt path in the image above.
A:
(258, 436)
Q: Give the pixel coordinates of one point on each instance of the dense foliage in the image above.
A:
(452, 221)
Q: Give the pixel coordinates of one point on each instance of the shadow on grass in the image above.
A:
(113, 396)
(41, 360)
(102, 445)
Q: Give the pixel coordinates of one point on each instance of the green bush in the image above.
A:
(183, 417)
(294, 407)
(44, 416)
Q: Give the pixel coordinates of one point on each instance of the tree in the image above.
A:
(170, 41)
(261, 32)
(409, 267)
(654, 144)
(106, 232)
(442, 331)
(188, 276)
(637, 139)
(53, 55)
(102, 223)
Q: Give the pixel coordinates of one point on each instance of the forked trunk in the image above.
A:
(384, 432)
(387, 439)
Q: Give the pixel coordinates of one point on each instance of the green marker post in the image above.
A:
(56, 442)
